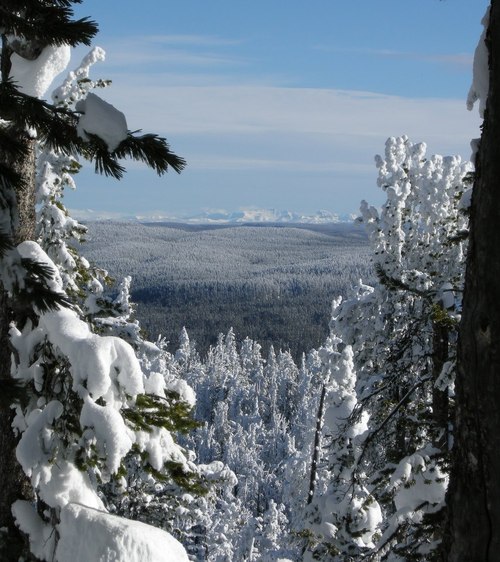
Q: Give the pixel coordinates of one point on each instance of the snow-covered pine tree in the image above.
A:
(79, 410)
(342, 511)
(252, 411)
(403, 335)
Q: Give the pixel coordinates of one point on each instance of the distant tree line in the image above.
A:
(272, 284)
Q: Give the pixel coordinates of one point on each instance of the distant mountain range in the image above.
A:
(223, 217)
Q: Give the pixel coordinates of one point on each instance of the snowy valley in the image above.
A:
(272, 283)
(310, 454)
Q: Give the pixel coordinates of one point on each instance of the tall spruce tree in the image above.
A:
(35, 35)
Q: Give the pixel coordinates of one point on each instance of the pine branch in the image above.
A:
(48, 23)
(31, 289)
(73, 33)
(154, 411)
(36, 291)
(96, 150)
(374, 432)
(151, 149)
(397, 285)
(63, 2)
(11, 145)
(56, 126)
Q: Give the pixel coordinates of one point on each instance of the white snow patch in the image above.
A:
(41, 535)
(161, 447)
(24, 343)
(96, 361)
(182, 388)
(447, 295)
(33, 251)
(62, 483)
(71, 88)
(34, 77)
(466, 199)
(418, 481)
(110, 431)
(102, 119)
(155, 384)
(480, 71)
(92, 535)
(36, 439)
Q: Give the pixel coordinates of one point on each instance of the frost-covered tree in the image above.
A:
(252, 411)
(345, 514)
(86, 399)
(387, 481)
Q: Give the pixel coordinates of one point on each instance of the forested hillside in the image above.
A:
(273, 284)
(343, 455)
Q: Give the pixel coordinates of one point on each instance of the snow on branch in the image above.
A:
(480, 71)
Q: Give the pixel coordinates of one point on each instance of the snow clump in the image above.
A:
(34, 77)
(480, 71)
(102, 119)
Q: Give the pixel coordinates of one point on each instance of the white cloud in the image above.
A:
(174, 50)
(350, 117)
(171, 57)
(251, 143)
(202, 162)
(285, 147)
(193, 40)
(463, 60)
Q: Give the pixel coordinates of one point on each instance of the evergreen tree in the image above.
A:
(84, 402)
(402, 333)
(252, 411)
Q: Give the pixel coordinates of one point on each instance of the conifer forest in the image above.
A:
(240, 393)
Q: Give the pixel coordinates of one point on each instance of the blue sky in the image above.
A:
(279, 103)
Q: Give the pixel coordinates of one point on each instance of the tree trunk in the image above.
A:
(24, 229)
(474, 493)
(13, 482)
(440, 406)
(317, 446)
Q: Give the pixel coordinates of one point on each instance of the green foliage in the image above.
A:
(55, 126)
(394, 284)
(49, 23)
(442, 318)
(34, 291)
(30, 284)
(151, 149)
(174, 471)
(150, 411)
(39, 141)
